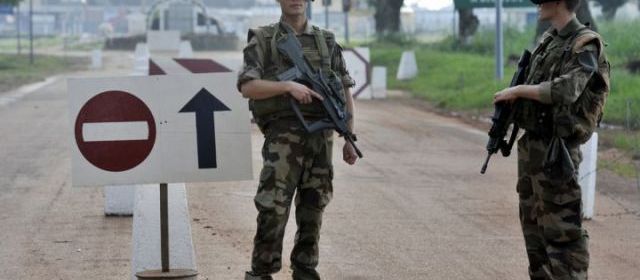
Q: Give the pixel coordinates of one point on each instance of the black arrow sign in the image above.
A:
(204, 104)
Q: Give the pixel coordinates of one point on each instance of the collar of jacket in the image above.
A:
(308, 29)
(571, 27)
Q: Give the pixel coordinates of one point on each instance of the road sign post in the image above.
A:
(133, 130)
(166, 273)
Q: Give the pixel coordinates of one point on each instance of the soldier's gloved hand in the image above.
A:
(302, 93)
(349, 154)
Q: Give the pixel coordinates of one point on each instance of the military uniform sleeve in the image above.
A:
(340, 67)
(569, 86)
(253, 66)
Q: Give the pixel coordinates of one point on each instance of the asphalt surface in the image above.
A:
(415, 207)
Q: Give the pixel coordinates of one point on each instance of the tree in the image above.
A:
(610, 7)
(10, 2)
(583, 13)
(387, 15)
(468, 24)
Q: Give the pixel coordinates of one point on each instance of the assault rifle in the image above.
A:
(332, 102)
(503, 118)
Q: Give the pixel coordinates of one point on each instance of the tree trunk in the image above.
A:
(610, 7)
(468, 25)
(583, 13)
(387, 15)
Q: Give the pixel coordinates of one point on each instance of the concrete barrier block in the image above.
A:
(587, 175)
(96, 59)
(119, 200)
(142, 52)
(164, 41)
(408, 68)
(186, 51)
(141, 60)
(379, 82)
(146, 230)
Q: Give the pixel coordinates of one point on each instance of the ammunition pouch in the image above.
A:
(534, 117)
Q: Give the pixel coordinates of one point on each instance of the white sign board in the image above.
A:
(357, 61)
(164, 40)
(159, 129)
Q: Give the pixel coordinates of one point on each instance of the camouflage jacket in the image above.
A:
(573, 73)
(262, 61)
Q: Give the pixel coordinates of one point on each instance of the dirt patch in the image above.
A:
(477, 119)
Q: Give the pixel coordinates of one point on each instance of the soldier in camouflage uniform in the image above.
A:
(567, 84)
(295, 162)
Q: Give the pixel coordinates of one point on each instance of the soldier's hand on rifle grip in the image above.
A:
(302, 93)
(349, 153)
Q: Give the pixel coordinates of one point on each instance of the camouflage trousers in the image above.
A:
(295, 162)
(551, 216)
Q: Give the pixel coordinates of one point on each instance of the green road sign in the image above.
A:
(465, 4)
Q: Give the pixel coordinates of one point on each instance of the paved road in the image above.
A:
(414, 208)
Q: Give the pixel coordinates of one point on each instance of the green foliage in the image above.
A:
(10, 2)
(622, 41)
(10, 44)
(462, 77)
(623, 102)
(15, 70)
(483, 42)
(627, 141)
(457, 77)
(449, 80)
(622, 168)
(396, 38)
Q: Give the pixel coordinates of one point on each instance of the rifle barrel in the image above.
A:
(486, 164)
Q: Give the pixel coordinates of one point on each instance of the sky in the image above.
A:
(430, 4)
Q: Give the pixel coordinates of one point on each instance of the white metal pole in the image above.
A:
(499, 42)
(326, 16)
(18, 28)
(31, 31)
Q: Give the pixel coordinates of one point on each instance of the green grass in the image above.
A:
(449, 80)
(10, 44)
(462, 77)
(16, 71)
(627, 141)
(622, 41)
(622, 168)
(484, 42)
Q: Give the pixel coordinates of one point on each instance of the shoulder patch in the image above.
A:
(588, 61)
(585, 39)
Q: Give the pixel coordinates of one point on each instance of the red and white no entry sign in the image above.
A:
(115, 131)
(165, 128)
